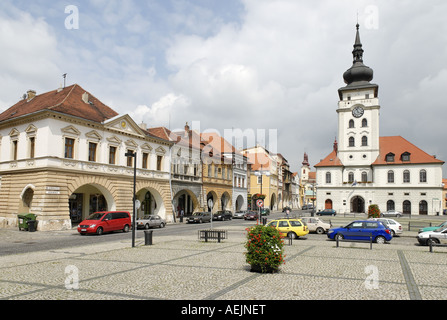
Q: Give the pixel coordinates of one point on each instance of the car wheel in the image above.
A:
(292, 235)
(162, 225)
(200, 221)
(339, 236)
(380, 240)
(432, 241)
(393, 233)
(99, 231)
(126, 228)
(320, 230)
(146, 226)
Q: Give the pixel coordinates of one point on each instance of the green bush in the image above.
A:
(264, 248)
(373, 211)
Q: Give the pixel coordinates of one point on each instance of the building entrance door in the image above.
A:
(358, 205)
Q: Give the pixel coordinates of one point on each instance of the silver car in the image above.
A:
(239, 214)
(437, 236)
(316, 224)
(151, 221)
(391, 213)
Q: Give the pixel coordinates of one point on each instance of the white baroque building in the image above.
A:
(364, 168)
(64, 154)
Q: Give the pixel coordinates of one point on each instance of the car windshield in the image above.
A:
(197, 214)
(440, 229)
(96, 216)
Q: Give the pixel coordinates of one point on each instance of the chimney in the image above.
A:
(186, 130)
(30, 94)
(143, 126)
(85, 97)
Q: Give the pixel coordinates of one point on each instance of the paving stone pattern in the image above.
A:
(184, 268)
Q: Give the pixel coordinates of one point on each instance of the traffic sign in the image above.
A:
(259, 203)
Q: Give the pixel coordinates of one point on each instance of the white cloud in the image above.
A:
(29, 57)
(265, 64)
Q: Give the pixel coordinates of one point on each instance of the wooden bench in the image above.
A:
(213, 235)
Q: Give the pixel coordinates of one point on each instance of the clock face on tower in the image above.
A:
(358, 112)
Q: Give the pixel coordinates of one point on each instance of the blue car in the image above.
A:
(361, 230)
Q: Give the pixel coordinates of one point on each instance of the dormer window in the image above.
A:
(390, 157)
(405, 156)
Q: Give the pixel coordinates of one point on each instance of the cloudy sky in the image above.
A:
(267, 67)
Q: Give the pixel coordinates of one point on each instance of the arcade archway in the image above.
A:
(88, 199)
(357, 205)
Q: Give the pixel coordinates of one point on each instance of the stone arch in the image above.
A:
(212, 202)
(181, 201)
(102, 184)
(87, 194)
(239, 203)
(273, 201)
(26, 197)
(358, 204)
(225, 201)
(161, 194)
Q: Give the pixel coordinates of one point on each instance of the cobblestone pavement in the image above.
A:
(184, 268)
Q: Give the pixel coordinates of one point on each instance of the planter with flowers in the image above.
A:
(373, 211)
(264, 247)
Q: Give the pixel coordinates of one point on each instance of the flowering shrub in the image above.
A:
(264, 248)
(373, 211)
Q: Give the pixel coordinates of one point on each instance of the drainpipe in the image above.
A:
(170, 181)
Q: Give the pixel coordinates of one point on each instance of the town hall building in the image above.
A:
(365, 168)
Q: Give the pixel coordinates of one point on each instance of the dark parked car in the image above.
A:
(327, 212)
(307, 207)
(251, 215)
(223, 215)
(265, 212)
(199, 217)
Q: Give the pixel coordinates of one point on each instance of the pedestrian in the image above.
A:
(287, 213)
(182, 213)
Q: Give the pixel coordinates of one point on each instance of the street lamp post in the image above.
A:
(133, 155)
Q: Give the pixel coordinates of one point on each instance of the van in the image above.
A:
(106, 221)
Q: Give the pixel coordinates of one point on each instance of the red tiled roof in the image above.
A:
(67, 100)
(398, 145)
(331, 160)
(258, 161)
(218, 143)
(160, 132)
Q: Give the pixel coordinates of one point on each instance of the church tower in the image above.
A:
(358, 113)
(305, 168)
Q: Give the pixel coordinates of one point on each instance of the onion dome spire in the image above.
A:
(358, 73)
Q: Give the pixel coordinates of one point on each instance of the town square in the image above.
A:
(203, 123)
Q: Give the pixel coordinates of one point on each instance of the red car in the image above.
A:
(107, 221)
